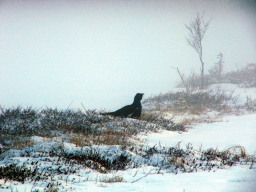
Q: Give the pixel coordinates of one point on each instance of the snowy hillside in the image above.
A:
(230, 131)
(183, 142)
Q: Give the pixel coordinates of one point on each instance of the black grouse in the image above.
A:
(133, 110)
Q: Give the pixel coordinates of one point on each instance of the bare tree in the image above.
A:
(197, 29)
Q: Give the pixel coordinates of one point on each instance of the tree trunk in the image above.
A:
(202, 63)
(202, 76)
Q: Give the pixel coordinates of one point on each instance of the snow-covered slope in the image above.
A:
(236, 179)
(231, 131)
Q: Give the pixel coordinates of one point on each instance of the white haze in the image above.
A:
(101, 53)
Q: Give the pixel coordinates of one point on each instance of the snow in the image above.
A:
(237, 179)
(232, 131)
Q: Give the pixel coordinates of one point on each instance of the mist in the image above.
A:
(60, 53)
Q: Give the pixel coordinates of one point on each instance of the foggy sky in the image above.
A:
(58, 53)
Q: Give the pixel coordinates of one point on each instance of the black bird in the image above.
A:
(133, 110)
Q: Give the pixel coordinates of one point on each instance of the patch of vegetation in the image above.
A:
(250, 104)
(174, 159)
(52, 187)
(55, 160)
(17, 121)
(18, 125)
(19, 173)
(28, 121)
(113, 179)
(104, 143)
(105, 137)
(94, 159)
(194, 103)
(244, 77)
(167, 124)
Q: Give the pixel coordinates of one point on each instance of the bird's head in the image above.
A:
(138, 96)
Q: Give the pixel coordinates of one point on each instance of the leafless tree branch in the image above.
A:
(196, 33)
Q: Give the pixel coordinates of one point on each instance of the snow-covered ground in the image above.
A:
(229, 130)
(233, 130)
(236, 179)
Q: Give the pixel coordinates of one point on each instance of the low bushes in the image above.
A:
(189, 102)
(55, 160)
(18, 125)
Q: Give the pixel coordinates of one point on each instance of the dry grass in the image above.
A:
(149, 116)
(113, 179)
(80, 140)
(18, 144)
(193, 103)
(52, 187)
(106, 137)
(15, 142)
(187, 121)
(237, 150)
(18, 125)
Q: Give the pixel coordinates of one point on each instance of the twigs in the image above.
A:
(142, 176)
(182, 79)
